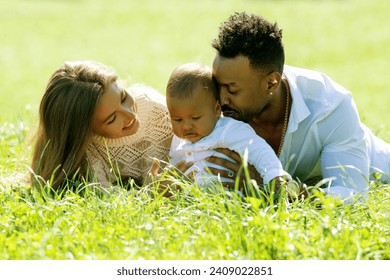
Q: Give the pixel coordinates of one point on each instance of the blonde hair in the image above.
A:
(65, 122)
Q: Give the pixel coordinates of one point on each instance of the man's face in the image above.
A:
(242, 88)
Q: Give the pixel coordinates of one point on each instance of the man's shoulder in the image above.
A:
(315, 87)
(312, 81)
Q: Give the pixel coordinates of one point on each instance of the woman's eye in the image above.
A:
(112, 120)
(124, 97)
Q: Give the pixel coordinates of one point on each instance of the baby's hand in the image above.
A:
(167, 186)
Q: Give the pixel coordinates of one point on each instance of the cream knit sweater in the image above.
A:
(132, 156)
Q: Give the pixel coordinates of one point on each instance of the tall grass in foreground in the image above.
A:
(196, 224)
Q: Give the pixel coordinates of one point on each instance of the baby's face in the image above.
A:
(195, 117)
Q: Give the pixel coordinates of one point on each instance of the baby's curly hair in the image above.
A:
(254, 37)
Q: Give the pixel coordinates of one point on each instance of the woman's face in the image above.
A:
(115, 114)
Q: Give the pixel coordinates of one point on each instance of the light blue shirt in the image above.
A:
(235, 135)
(326, 138)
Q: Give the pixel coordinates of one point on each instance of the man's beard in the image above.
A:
(229, 112)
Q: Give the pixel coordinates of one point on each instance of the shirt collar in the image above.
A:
(299, 110)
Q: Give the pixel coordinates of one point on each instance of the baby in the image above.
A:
(199, 128)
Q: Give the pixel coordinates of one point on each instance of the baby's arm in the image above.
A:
(240, 137)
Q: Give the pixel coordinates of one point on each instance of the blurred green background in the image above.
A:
(144, 41)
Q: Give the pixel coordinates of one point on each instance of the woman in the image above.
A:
(92, 128)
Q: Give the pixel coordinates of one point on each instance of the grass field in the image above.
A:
(144, 41)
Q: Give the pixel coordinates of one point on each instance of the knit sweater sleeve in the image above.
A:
(99, 168)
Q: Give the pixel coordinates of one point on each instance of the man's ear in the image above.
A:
(273, 80)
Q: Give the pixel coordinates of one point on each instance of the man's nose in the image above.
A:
(224, 97)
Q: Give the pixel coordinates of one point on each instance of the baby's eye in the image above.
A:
(196, 118)
(177, 120)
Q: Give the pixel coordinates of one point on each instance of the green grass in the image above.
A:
(195, 225)
(144, 41)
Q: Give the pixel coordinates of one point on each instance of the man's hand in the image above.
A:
(235, 169)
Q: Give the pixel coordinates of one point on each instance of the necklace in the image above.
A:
(285, 115)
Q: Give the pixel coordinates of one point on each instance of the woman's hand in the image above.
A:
(235, 169)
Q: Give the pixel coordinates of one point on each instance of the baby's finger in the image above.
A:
(155, 167)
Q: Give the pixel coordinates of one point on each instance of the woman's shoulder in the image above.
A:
(152, 108)
(146, 93)
(151, 104)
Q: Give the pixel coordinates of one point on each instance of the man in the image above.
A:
(310, 121)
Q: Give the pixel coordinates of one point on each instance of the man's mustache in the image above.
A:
(226, 108)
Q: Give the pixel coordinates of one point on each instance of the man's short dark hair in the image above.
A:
(254, 37)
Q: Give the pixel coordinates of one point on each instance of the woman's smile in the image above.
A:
(130, 124)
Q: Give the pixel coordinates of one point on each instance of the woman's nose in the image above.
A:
(127, 109)
(128, 113)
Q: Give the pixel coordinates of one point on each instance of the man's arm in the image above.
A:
(344, 155)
